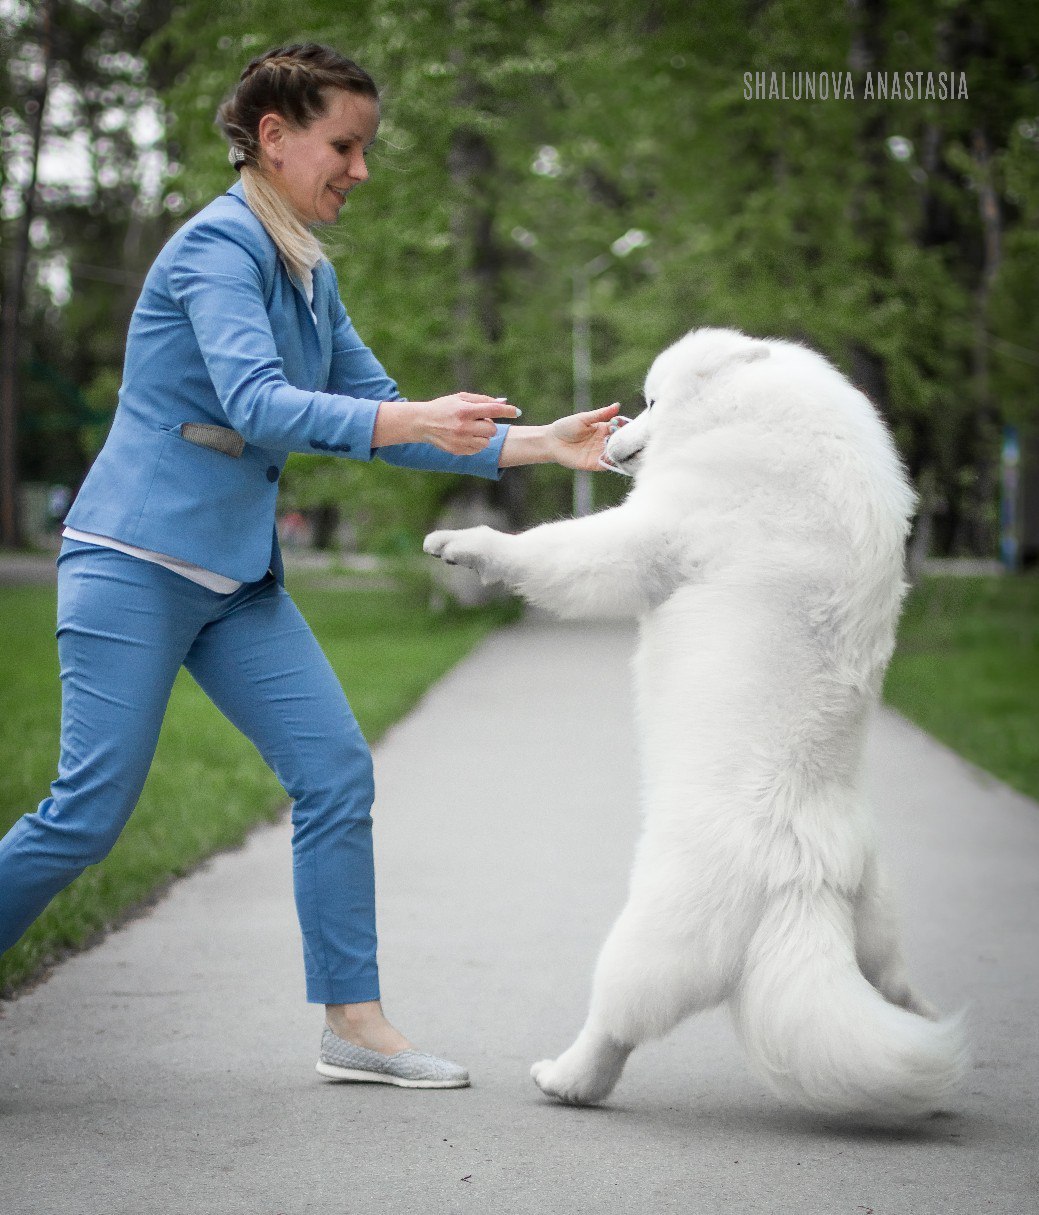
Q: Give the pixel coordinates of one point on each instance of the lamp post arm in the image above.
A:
(582, 358)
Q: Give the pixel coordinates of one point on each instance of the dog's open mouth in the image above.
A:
(617, 466)
(612, 463)
(606, 462)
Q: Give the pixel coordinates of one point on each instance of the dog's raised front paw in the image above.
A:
(470, 546)
(436, 542)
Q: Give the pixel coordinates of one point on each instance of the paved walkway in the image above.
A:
(21, 569)
(171, 1069)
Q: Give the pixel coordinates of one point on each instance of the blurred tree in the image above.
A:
(35, 87)
(522, 137)
(81, 168)
(871, 228)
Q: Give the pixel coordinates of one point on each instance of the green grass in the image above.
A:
(207, 785)
(967, 670)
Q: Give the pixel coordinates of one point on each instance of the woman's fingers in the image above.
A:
(602, 415)
(463, 423)
(487, 407)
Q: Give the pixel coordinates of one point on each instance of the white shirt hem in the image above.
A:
(194, 573)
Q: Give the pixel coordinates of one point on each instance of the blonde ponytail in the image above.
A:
(299, 247)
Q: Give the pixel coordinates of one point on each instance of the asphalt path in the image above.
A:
(171, 1068)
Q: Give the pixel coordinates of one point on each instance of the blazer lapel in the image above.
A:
(314, 319)
(322, 311)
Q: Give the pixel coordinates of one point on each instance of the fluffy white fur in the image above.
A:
(761, 546)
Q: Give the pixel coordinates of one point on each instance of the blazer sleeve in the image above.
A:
(355, 370)
(217, 280)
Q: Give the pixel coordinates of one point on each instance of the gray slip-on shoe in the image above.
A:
(341, 1060)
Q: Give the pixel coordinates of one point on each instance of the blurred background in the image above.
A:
(552, 173)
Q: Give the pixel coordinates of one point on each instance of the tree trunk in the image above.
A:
(922, 540)
(983, 525)
(14, 291)
(866, 18)
(325, 519)
(472, 164)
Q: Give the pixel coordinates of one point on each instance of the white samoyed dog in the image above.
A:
(761, 548)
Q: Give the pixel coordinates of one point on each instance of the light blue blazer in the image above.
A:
(221, 335)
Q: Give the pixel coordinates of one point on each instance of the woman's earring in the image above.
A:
(277, 165)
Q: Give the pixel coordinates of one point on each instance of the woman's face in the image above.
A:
(321, 164)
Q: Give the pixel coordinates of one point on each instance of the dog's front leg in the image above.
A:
(608, 564)
(481, 549)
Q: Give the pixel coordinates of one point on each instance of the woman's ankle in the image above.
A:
(365, 1025)
(365, 1012)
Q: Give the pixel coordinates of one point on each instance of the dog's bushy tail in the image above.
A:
(822, 1035)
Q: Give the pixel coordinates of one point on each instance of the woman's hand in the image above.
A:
(578, 440)
(460, 423)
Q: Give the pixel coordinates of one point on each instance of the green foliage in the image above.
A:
(97, 221)
(856, 225)
(207, 786)
(389, 508)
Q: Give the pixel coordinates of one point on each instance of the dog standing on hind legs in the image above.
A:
(761, 549)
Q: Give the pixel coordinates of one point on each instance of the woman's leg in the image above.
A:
(123, 631)
(262, 667)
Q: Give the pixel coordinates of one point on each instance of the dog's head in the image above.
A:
(769, 427)
(675, 383)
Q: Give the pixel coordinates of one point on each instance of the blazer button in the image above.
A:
(272, 473)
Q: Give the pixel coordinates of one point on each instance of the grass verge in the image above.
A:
(207, 785)
(967, 671)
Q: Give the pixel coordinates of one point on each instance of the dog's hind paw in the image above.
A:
(566, 1084)
(546, 1075)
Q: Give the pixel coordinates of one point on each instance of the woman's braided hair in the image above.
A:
(293, 82)
(289, 80)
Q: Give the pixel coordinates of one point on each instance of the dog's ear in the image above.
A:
(749, 352)
(699, 356)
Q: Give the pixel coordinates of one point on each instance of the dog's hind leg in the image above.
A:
(587, 1071)
(645, 983)
(878, 948)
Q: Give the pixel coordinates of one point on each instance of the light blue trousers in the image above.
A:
(125, 627)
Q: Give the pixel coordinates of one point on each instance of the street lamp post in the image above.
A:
(582, 277)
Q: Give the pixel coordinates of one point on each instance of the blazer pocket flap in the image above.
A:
(218, 438)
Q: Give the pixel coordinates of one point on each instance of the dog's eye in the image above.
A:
(646, 404)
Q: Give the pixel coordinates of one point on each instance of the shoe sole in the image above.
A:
(331, 1072)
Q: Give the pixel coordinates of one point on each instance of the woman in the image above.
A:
(240, 351)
